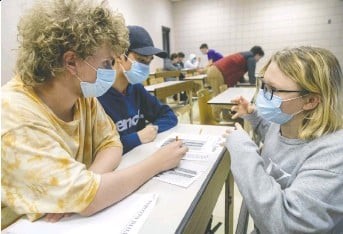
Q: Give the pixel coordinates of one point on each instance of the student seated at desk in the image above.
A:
(180, 57)
(193, 62)
(172, 63)
(295, 183)
(59, 148)
(127, 102)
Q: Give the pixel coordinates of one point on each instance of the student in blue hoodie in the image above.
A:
(138, 115)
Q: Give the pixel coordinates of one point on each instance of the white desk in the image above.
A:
(185, 210)
(201, 78)
(225, 97)
(152, 88)
(197, 77)
(178, 209)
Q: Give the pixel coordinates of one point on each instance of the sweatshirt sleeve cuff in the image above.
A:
(251, 117)
(130, 141)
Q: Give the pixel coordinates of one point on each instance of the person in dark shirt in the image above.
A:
(172, 63)
(230, 69)
(212, 55)
(181, 57)
(127, 102)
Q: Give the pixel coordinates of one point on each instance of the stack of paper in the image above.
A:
(183, 175)
(124, 217)
(199, 146)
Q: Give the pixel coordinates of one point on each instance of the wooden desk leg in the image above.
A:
(190, 93)
(229, 200)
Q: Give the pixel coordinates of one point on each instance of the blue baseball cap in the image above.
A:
(141, 42)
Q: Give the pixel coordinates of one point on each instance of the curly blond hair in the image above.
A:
(318, 71)
(54, 27)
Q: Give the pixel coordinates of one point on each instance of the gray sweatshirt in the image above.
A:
(295, 186)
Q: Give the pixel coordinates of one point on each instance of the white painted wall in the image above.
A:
(11, 10)
(151, 14)
(228, 26)
(231, 26)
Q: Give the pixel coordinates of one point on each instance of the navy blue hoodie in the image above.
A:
(132, 111)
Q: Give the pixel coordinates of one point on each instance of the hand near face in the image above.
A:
(241, 107)
(148, 133)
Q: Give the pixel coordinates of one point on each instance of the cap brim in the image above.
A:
(150, 51)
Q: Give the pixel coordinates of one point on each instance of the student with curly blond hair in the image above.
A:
(295, 184)
(59, 148)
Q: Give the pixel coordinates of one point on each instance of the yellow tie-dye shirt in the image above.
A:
(44, 160)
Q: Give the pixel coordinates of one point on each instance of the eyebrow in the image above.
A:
(271, 83)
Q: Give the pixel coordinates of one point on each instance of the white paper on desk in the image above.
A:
(124, 217)
(199, 146)
(183, 175)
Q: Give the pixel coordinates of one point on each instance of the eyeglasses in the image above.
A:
(269, 91)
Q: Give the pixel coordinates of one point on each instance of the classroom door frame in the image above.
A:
(166, 39)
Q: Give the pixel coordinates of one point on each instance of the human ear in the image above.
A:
(70, 61)
(311, 101)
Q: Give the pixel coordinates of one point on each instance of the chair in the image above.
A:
(187, 106)
(205, 110)
(156, 80)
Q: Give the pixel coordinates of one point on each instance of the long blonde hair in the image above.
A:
(318, 71)
(54, 27)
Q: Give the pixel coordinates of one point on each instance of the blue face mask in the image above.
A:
(270, 109)
(138, 73)
(104, 80)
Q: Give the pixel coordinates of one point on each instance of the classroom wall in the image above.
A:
(230, 26)
(151, 14)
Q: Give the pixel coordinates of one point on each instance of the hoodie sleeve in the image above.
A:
(129, 141)
(259, 124)
(157, 113)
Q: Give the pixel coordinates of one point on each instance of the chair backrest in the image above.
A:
(205, 110)
(156, 80)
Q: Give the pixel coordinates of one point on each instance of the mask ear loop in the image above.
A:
(296, 113)
(122, 67)
(78, 78)
(128, 58)
(90, 65)
(290, 99)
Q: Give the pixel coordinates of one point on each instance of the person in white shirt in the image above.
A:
(193, 62)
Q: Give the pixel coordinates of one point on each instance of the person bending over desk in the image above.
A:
(296, 186)
(127, 102)
(59, 148)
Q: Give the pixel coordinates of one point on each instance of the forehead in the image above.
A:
(274, 76)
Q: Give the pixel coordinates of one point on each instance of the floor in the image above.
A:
(218, 212)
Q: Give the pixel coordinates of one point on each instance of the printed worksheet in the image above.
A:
(183, 175)
(199, 146)
(125, 217)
